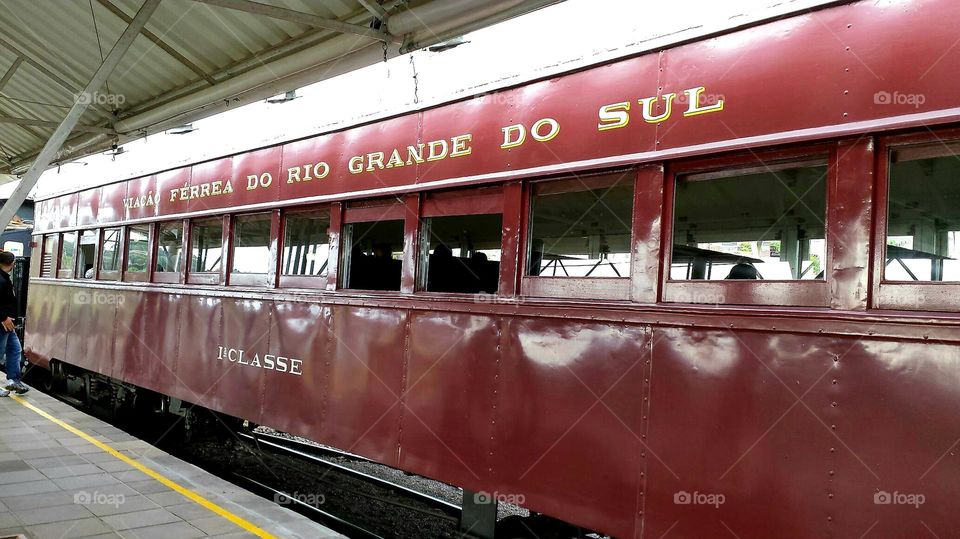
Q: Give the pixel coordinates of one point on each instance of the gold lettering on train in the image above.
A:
(214, 188)
(308, 172)
(543, 130)
(617, 115)
(142, 201)
(257, 182)
(432, 150)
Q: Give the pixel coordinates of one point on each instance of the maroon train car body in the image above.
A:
(624, 405)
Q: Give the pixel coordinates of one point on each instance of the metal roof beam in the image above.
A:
(50, 149)
(10, 71)
(299, 17)
(376, 9)
(45, 123)
(159, 42)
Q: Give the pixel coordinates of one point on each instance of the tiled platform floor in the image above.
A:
(55, 484)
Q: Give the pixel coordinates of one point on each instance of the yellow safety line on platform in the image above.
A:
(246, 525)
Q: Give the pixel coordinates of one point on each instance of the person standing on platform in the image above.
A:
(9, 342)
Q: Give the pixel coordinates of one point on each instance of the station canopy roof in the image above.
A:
(189, 59)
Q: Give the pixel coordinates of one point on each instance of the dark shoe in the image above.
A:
(20, 388)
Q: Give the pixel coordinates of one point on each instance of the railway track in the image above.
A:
(311, 453)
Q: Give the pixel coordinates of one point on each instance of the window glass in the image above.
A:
(47, 260)
(373, 255)
(764, 222)
(138, 239)
(110, 260)
(69, 242)
(87, 254)
(581, 227)
(206, 239)
(251, 243)
(923, 216)
(306, 243)
(169, 245)
(463, 253)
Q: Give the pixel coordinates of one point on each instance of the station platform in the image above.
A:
(66, 474)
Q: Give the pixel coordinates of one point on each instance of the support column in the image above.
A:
(479, 516)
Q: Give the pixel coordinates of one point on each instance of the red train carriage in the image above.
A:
(707, 290)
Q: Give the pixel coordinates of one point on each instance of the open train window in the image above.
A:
(749, 230)
(110, 254)
(169, 256)
(206, 250)
(372, 240)
(762, 222)
(48, 260)
(306, 248)
(87, 255)
(68, 242)
(461, 239)
(579, 236)
(138, 250)
(918, 255)
(923, 214)
(251, 260)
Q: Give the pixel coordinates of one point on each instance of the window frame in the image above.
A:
(97, 234)
(267, 279)
(171, 277)
(66, 273)
(135, 276)
(779, 293)
(462, 202)
(110, 275)
(305, 281)
(904, 295)
(599, 288)
(371, 211)
(53, 238)
(209, 277)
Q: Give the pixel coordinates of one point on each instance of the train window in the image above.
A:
(461, 253)
(306, 243)
(87, 254)
(138, 243)
(373, 253)
(68, 241)
(923, 215)
(761, 222)
(251, 243)
(48, 258)
(110, 249)
(461, 235)
(581, 227)
(206, 245)
(169, 246)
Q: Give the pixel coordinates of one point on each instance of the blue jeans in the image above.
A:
(10, 344)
